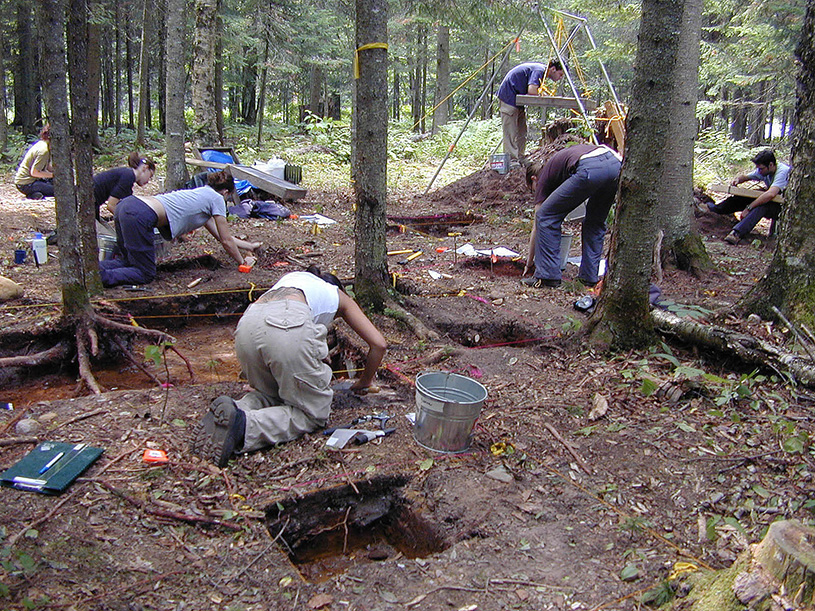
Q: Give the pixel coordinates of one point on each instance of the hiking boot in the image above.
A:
(220, 431)
(712, 207)
(732, 238)
(539, 283)
(36, 195)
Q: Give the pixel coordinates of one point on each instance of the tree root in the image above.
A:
(55, 354)
(420, 330)
(132, 359)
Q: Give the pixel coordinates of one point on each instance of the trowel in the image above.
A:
(340, 437)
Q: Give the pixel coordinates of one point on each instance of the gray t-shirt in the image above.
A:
(779, 179)
(190, 209)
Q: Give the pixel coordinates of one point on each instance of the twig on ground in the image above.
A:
(13, 441)
(173, 515)
(186, 362)
(12, 540)
(96, 412)
(569, 448)
(260, 555)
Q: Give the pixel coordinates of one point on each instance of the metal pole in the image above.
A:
(472, 114)
(568, 76)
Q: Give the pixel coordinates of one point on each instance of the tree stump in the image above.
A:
(782, 572)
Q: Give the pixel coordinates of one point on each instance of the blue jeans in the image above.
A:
(135, 222)
(43, 185)
(594, 181)
(770, 210)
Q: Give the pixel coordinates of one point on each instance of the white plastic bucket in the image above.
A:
(447, 406)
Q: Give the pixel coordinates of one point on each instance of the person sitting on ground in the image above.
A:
(34, 177)
(581, 172)
(281, 346)
(523, 79)
(111, 186)
(775, 176)
(173, 214)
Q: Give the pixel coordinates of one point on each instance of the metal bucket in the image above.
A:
(447, 406)
(500, 163)
(106, 245)
(565, 245)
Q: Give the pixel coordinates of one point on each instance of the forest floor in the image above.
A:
(555, 505)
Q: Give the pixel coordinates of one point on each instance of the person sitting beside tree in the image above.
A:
(111, 186)
(775, 176)
(34, 177)
(173, 214)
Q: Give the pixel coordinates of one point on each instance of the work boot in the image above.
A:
(539, 283)
(732, 238)
(220, 432)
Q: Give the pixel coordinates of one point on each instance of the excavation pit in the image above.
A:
(327, 532)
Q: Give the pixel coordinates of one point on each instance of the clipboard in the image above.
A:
(50, 467)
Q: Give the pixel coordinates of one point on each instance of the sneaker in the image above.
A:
(36, 195)
(586, 283)
(732, 238)
(712, 207)
(220, 432)
(537, 283)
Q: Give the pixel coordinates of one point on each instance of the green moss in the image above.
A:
(713, 590)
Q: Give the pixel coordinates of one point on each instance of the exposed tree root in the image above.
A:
(747, 348)
(420, 330)
(133, 361)
(55, 354)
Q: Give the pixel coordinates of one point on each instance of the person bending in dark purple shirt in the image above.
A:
(582, 172)
(113, 185)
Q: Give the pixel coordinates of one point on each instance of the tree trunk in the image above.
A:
(758, 115)
(3, 114)
(262, 95)
(82, 130)
(129, 57)
(26, 89)
(144, 74)
(203, 72)
(369, 160)
(622, 318)
(738, 125)
(176, 168)
(75, 298)
(94, 75)
(162, 78)
(789, 283)
(117, 73)
(248, 102)
(683, 244)
(219, 78)
(396, 102)
(442, 113)
(315, 95)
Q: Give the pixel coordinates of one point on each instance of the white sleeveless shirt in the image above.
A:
(323, 298)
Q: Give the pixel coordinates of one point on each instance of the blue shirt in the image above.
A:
(518, 80)
(779, 179)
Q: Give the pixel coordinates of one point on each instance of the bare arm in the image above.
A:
(764, 198)
(111, 203)
(351, 313)
(219, 229)
(533, 237)
(533, 89)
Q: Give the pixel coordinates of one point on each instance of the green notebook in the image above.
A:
(50, 467)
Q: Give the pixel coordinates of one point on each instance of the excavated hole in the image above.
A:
(328, 531)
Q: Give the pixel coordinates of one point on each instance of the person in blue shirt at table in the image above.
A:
(775, 176)
(523, 79)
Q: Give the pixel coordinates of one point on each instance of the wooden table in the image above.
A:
(741, 191)
(552, 101)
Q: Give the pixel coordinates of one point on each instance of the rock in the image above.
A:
(501, 474)
(48, 417)
(9, 289)
(27, 426)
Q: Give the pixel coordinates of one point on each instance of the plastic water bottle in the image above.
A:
(40, 248)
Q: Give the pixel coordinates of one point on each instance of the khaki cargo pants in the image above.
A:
(281, 352)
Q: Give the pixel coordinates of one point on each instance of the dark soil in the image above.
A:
(519, 520)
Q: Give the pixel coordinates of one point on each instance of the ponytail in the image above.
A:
(134, 160)
(326, 277)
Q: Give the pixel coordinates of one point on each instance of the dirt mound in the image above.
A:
(486, 189)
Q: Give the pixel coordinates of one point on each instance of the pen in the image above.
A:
(51, 462)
